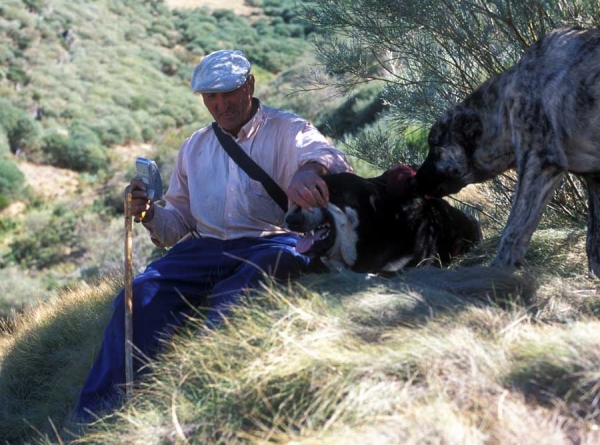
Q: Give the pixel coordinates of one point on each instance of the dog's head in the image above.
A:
(328, 232)
(453, 140)
(341, 233)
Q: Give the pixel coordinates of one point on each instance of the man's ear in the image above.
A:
(250, 83)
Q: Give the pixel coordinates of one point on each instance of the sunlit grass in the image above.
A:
(469, 355)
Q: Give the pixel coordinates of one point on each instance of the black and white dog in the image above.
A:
(378, 225)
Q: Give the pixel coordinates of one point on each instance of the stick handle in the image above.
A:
(128, 295)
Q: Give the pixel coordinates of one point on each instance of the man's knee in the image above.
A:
(280, 263)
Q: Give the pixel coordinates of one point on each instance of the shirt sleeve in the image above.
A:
(173, 221)
(314, 147)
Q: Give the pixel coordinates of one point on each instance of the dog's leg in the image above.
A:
(593, 232)
(540, 165)
(534, 190)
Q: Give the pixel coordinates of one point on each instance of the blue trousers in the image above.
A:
(206, 271)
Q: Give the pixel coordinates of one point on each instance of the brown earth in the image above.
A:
(238, 6)
(49, 182)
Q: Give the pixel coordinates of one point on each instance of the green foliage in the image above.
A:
(383, 147)
(49, 240)
(22, 131)
(273, 42)
(97, 76)
(360, 108)
(81, 150)
(432, 53)
(4, 144)
(11, 181)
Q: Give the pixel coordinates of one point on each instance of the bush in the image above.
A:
(11, 181)
(18, 75)
(81, 150)
(110, 131)
(22, 131)
(4, 145)
(47, 242)
(148, 133)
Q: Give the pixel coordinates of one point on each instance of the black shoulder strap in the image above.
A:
(251, 168)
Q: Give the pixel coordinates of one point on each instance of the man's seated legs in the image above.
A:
(192, 269)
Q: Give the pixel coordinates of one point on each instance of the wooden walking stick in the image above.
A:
(148, 173)
(128, 295)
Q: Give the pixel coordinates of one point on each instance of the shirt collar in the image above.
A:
(252, 126)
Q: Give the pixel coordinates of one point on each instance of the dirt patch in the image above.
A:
(46, 182)
(124, 156)
(238, 6)
(50, 183)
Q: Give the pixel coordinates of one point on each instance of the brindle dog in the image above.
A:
(542, 117)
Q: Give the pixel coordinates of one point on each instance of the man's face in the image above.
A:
(233, 109)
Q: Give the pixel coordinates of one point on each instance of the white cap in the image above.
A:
(220, 72)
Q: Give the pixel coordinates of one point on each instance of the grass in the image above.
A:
(471, 355)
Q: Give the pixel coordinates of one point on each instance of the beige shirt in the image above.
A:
(210, 193)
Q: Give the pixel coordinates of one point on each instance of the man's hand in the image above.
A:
(142, 208)
(307, 188)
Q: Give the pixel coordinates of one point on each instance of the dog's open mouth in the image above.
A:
(319, 241)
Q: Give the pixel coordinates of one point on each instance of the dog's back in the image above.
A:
(439, 231)
(560, 74)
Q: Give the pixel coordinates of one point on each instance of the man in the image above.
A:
(225, 228)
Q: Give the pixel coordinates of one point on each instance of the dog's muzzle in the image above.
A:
(316, 227)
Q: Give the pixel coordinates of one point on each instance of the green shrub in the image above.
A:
(81, 150)
(18, 75)
(148, 133)
(22, 131)
(140, 103)
(6, 53)
(4, 203)
(110, 131)
(11, 181)
(4, 145)
(56, 148)
(48, 242)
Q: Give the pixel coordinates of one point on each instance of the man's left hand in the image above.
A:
(307, 188)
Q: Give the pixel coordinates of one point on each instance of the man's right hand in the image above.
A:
(142, 208)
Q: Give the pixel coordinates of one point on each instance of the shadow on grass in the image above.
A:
(549, 380)
(419, 296)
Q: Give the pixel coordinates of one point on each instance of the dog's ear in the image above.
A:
(468, 127)
(400, 181)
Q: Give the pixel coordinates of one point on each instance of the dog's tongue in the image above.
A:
(305, 243)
